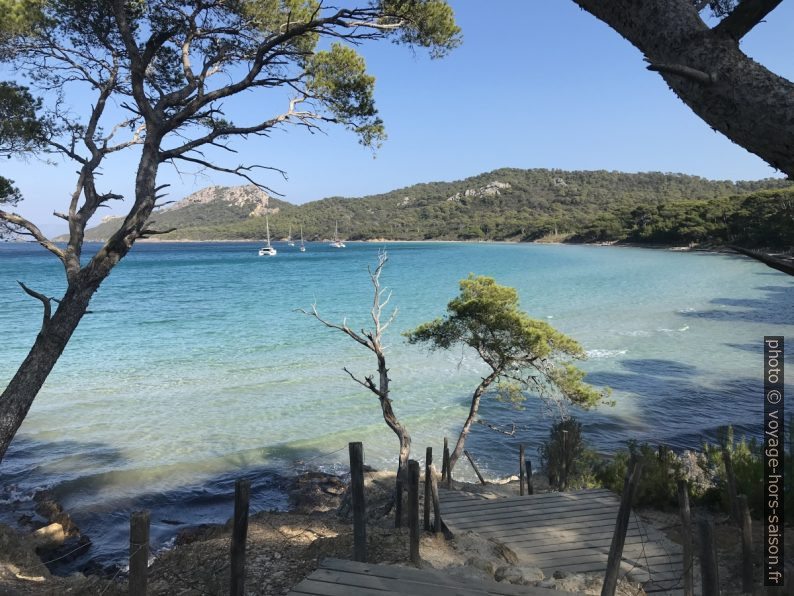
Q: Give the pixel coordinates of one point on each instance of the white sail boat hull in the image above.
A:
(267, 250)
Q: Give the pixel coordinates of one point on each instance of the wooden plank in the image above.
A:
(438, 578)
(318, 588)
(539, 498)
(597, 526)
(556, 544)
(401, 585)
(582, 555)
(472, 505)
(578, 522)
(573, 510)
(484, 516)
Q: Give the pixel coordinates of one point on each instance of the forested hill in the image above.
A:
(506, 204)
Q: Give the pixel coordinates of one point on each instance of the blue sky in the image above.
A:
(535, 84)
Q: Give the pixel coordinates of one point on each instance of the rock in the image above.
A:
(48, 537)
(504, 552)
(531, 574)
(198, 533)
(518, 574)
(481, 564)
(509, 574)
(70, 550)
(51, 510)
(467, 573)
(316, 491)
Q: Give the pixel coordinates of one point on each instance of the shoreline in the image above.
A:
(720, 249)
(286, 546)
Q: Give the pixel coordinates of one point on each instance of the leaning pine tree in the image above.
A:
(162, 76)
(522, 354)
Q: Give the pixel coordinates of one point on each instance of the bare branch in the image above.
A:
(149, 232)
(687, 72)
(47, 302)
(32, 230)
(240, 171)
(343, 327)
(367, 382)
(746, 15)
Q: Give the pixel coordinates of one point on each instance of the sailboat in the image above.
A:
(267, 250)
(337, 243)
(289, 237)
(303, 246)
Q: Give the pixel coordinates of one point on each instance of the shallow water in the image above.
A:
(193, 367)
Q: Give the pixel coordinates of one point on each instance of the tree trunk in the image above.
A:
(49, 345)
(56, 332)
(475, 405)
(402, 433)
(732, 93)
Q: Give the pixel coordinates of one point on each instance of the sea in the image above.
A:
(195, 367)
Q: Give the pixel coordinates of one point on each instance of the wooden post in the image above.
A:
(708, 559)
(359, 506)
(530, 490)
(436, 503)
(139, 552)
(242, 492)
(564, 480)
(521, 471)
(446, 474)
(426, 504)
(747, 545)
(398, 498)
(621, 527)
(686, 537)
(733, 499)
(444, 454)
(413, 508)
(473, 465)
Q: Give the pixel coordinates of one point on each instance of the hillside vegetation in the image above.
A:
(507, 204)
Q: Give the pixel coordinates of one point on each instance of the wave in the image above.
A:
(596, 354)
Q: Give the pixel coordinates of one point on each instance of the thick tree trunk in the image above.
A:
(56, 332)
(732, 93)
(475, 406)
(49, 345)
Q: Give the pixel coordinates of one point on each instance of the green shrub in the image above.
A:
(748, 469)
(657, 486)
(565, 457)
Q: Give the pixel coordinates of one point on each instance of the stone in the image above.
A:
(531, 574)
(48, 537)
(481, 564)
(509, 574)
(518, 574)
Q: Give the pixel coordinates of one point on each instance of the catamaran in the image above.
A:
(303, 246)
(289, 237)
(337, 243)
(267, 250)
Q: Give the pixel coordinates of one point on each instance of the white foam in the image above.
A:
(637, 333)
(595, 354)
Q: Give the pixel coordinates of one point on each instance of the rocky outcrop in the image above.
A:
(492, 189)
(239, 196)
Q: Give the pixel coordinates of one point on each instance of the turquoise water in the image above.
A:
(193, 367)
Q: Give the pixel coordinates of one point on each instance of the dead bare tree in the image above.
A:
(373, 341)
